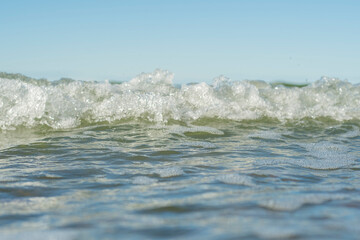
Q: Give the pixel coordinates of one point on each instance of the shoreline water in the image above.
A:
(148, 160)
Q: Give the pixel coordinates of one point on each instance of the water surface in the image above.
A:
(145, 159)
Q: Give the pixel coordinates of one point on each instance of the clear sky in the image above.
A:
(198, 40)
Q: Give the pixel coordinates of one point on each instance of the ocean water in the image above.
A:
(147, 159)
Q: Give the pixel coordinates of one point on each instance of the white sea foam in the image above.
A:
(152, 97)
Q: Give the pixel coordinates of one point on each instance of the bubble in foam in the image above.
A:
(169, 172)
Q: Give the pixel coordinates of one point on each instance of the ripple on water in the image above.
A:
(326, 156)
(355, 132)
(169, 172)
(268, 135)
(143, 180)
(180, 130)
(199, 144)
(294, 202)
(277, 232)
(236, 179)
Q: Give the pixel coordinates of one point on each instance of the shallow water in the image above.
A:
(192, 177)
(225, 180)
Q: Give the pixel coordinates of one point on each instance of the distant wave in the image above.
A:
(67, 103)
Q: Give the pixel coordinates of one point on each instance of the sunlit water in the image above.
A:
(144, 159)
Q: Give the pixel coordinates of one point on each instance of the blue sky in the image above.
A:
(294, 41)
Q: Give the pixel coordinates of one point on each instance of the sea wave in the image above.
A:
(67, 103)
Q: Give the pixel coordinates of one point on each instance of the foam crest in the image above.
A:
(152, 97)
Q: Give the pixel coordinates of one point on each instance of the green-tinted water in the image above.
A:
(211, 179)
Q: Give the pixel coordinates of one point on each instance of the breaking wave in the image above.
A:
(67, 103)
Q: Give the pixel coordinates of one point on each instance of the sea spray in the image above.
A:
(153, 97)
